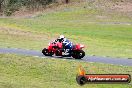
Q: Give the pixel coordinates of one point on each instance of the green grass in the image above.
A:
(30, 72)
(22, 39)
(80, 25)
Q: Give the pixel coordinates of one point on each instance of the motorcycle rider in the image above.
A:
(67, 45)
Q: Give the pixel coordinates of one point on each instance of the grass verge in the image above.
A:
(29, 72)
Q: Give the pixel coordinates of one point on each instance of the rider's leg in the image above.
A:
(68, 49)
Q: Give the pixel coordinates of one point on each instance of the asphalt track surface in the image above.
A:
(106, 60)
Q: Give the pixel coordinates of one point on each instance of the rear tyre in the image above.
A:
(81, 54)
(78, 54)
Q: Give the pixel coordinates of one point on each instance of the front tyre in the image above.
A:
(46, 52)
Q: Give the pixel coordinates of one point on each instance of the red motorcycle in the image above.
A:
(57, 50)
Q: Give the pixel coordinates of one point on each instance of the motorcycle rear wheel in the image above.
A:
(78, 54)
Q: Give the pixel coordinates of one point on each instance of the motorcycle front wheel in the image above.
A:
(46, 52)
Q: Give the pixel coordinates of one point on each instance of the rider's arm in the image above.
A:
(55, 41)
